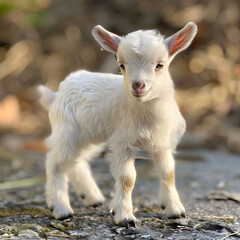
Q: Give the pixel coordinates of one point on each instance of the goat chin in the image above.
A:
(126, 113)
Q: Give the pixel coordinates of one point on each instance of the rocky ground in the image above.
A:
(208, 182)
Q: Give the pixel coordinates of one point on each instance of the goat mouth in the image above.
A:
(140, 94)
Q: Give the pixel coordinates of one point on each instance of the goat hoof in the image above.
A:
(176, 216)
(70, 216)
(183, 215)
(127, 223)
(95, 205)
(132, 223)
(62, 214)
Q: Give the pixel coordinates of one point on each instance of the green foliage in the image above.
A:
(5, 7)
(34, 13)
(36, 19)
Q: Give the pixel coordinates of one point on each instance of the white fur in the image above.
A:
(168, 196)
(91, 109)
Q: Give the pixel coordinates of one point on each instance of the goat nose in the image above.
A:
(138, 85)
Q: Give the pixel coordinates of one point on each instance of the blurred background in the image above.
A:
(42, 41)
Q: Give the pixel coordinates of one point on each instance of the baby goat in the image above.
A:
(129, 112)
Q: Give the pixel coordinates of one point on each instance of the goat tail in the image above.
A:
(46, 96)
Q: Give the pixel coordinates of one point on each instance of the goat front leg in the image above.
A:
(124, 173)
(168, 195)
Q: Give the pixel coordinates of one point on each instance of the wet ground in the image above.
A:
(208, 182)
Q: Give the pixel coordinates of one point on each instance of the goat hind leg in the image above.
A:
(81, 177)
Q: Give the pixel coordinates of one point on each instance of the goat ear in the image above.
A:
(181, 40)
(109, 41)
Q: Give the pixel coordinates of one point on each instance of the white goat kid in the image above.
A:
(129, 112)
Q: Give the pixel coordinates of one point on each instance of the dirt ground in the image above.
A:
(207, 180)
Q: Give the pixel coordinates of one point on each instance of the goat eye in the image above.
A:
(159, 66)
(122, 66)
